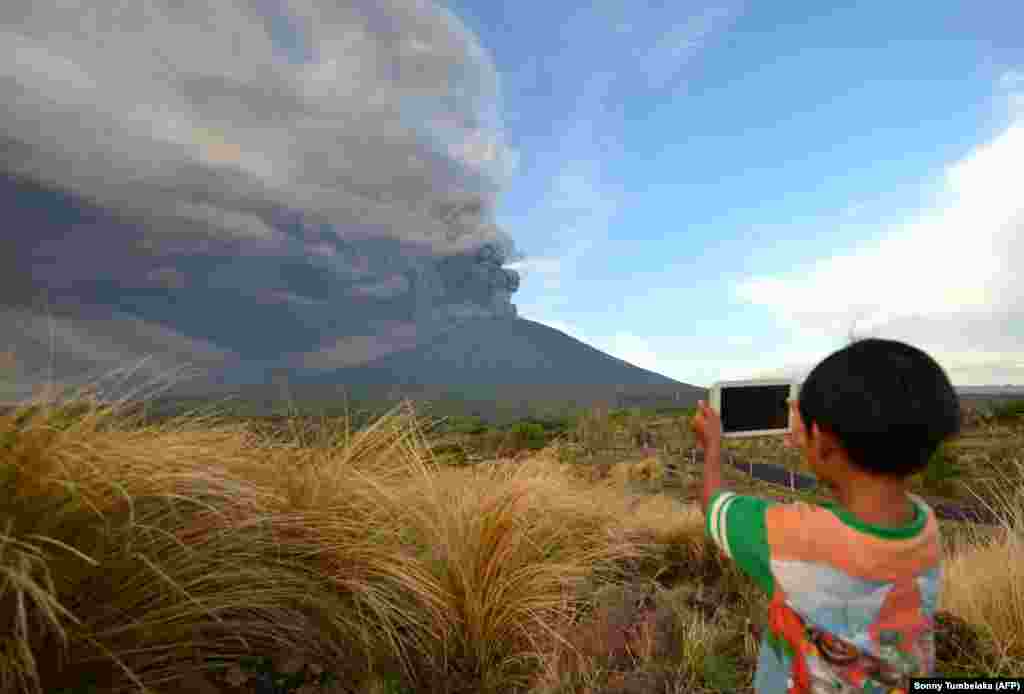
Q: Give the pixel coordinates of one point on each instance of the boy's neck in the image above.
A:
(876, 500)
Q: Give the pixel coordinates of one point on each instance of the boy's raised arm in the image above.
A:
(707, 426)
(712, 478)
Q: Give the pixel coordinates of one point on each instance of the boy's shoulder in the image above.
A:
(806, 541)
(825, 533)
(817, 518)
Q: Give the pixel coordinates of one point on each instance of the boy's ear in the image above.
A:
(824, 439)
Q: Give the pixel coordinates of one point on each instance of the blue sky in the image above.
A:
(685, 170)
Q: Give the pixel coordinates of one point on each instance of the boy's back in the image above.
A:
(853, 585)
(851, 605)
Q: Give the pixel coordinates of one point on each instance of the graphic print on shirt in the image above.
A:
(821, 662)
(851, 605)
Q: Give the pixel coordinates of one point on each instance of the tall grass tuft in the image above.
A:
(134, 555)
(983, 579)
(514, 548)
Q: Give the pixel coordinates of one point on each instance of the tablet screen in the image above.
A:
(752, 408)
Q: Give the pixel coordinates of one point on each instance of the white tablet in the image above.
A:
(753, 408)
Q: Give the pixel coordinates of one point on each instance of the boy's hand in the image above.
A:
(707, 425)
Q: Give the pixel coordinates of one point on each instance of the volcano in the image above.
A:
(501, 352)
(513, 360)
(509, 359)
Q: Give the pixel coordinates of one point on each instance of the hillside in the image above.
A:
(497, 367)
(500, 352)
(501, 368)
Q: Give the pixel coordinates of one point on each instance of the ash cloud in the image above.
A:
(262, 180)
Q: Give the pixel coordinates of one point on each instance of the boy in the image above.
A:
(853, 585)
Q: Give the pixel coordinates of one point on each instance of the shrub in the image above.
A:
(528, 435)
(555, 424)
(621, 414)
(464, 425)
(1014, 409)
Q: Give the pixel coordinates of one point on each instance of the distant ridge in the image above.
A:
(990, 390)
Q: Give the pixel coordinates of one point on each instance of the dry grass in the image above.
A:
(138, 556)
(146, 557)
(983, 580)
(145, 545)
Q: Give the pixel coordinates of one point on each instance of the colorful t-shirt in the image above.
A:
(851, 604)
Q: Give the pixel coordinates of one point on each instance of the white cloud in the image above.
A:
(952, 264)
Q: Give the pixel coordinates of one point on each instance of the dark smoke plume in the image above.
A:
(300, 182)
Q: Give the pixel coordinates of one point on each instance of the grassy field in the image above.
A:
(222, 554)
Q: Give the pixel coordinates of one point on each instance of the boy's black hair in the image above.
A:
(889, 404)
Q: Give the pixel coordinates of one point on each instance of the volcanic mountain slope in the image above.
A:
(511, 364)
(501, 352)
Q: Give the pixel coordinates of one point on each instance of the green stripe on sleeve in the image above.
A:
(743, 528)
